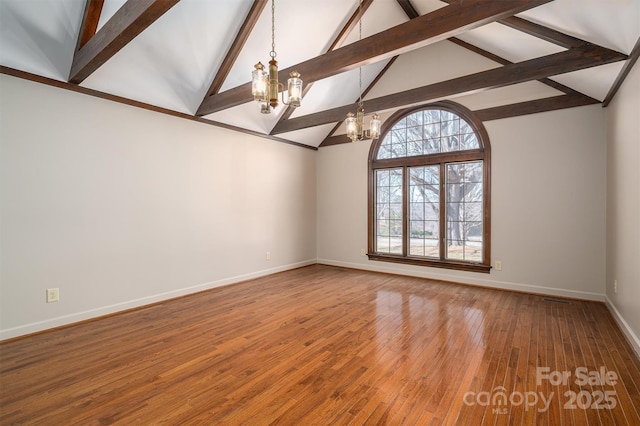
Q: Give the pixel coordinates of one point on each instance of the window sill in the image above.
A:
(447, 264)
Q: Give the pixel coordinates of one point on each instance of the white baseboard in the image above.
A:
(624, 326)
(501, 285)
(130, 304)
(110, 309)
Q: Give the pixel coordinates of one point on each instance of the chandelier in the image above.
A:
(355, 123)
(265, 86)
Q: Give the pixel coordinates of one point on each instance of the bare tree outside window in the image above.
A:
(430, 175)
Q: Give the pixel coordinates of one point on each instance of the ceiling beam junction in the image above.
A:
(426, 29)
(408, 8)
(238, 42)
(364, 93)
(558, 63)
(341, 37)
(89, 24)
(626, 69)
(575, 97)
(129, 21)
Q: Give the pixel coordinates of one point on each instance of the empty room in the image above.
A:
(319, 212)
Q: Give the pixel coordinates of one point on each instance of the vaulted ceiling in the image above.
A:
(193, 58)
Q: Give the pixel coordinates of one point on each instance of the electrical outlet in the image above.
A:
(268, 256)
(363, 252)
(615, 286)
(53, 295)
(498, 265)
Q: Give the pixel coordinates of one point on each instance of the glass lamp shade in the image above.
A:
(259, 83)
(295, 89)
(352, 127)
(374, 127)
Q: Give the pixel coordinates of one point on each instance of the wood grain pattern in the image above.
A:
(320, 345)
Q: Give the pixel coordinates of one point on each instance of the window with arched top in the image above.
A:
(429, 189)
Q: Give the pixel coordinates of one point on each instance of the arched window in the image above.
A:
(429, 189)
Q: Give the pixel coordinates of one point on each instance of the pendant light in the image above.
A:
(355, 123)
(265, 85)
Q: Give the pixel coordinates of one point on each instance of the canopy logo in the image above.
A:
(589, 398)
(498, 399)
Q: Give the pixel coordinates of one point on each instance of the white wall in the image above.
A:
(623, 205)
(119, 207)
(548, 206)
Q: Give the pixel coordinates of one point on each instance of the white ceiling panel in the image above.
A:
(312, 136)
(248, 116)
(610, 23)
(109, 8)
(594, 82)
(426, 6)
(380, 16)
(39, 36)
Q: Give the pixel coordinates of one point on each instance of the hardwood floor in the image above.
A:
(323, 345)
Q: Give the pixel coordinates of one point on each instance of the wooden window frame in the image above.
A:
(482, 153)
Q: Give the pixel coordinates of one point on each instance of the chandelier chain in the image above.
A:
(360, 68)
(265, 86)
(273, 29)
(354, 123)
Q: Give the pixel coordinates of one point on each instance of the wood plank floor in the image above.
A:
(329, 346)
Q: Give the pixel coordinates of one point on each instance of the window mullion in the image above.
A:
(405, 211)
(443, 211)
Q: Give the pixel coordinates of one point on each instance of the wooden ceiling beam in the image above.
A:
(342, 36)
(411, 13)
(236, 47)
(89, 24)
(129, 21)
(551, 83)
(558, 63)
(334, 140)
(350, 25)
(408, 8)
(537, 30)
(430, 28)
(364, 93)
(506, 111)
(542, 32)
(534, 106)
(575, 99)
(626, 68)
(528, 27)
